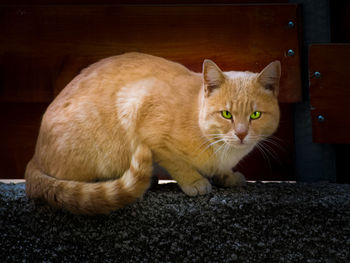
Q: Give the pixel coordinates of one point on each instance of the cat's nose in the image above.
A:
(241, 131)
(241, 135)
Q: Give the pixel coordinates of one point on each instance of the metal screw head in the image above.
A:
(317, 75)
(290, 53)
(290, 24)
(320, 118)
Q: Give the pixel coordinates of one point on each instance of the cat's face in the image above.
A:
(239, 108)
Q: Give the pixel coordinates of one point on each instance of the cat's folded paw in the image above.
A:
(199, 187)
(240, 179)
(229, 180)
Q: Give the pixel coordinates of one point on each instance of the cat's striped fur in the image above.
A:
(97, 197)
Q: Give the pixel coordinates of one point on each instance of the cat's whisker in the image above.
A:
(278, 143)
(268, 152)
(276, 138)
(262, 150)
(272, 152)
(206, 141)
(230, 140)
(273, 145)
(226, 148)
(270, 149)
(275, 142)
(211, 139)
(200, 148)
(210, 145)
(217, 150)
(219, 134)
(272, 140)
(215, 142)
(209, 142)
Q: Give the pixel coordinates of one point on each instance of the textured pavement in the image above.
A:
(261, 222)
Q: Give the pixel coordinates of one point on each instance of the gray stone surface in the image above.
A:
(257, 223)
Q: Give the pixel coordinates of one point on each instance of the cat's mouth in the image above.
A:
(232, 142)
(238, 144)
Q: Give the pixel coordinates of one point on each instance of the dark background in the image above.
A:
(45, 44)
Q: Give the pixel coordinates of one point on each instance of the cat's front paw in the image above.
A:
(229, 180)
(198, 187)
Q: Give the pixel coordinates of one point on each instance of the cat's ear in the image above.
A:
(212, 76)
(270, 76)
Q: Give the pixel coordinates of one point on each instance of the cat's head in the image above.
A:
(239, 108)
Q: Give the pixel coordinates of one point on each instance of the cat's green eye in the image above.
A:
(255, 115)
(226, 114)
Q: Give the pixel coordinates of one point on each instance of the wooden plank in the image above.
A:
(27, 78)
(43, 47)
(330, 93)
(20, 127)
(237, 37)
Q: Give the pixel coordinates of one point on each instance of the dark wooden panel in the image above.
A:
(20, 127)
(138, 2)
(237, 37)
(43, 47)
(27, 78)
(330, 93)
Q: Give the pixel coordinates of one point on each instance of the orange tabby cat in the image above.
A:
(124, 112)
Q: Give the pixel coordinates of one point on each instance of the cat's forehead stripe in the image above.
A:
(254, 107)
(242, 105)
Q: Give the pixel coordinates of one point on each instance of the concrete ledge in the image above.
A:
(261, 222)
(12, 181)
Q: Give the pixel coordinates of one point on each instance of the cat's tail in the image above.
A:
(93, 198)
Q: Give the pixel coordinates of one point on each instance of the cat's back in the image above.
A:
(120, 84)
(102, 80)
(133, 66)
(137, 63)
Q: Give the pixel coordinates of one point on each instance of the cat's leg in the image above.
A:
(229, 179)
(190, 181)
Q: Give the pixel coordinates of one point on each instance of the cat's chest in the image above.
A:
(223, 161)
